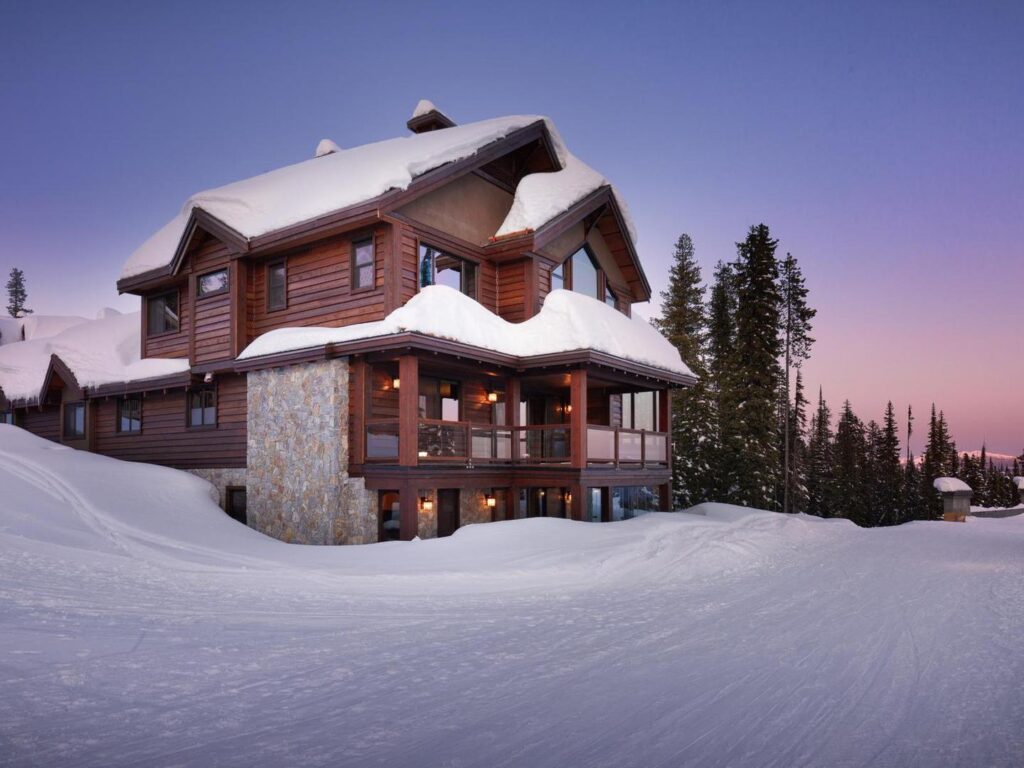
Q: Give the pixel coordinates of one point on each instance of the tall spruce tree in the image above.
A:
(684, 324)
(797, 341)
(16, 294)
(850, 450)
(721, 343)
(751, 437)
(939, 461)
(820, 465)
(797, 439)
(888, 473)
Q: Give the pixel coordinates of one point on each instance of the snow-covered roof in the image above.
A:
(950, 485)
(425, 107)
(98, 352)
(316, 187)
(35, 326)
(1019, 482)
(567, 322)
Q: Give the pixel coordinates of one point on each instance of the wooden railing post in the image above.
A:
(408, 410)
(643, 448)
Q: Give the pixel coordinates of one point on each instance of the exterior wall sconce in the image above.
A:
(492, 397)
(422, 454)
(426, 504)
(491, 501)
(396, 383)
(208, 378)
(568, 498)
(568, 408)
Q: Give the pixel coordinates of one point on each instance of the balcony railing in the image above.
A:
(459, 442)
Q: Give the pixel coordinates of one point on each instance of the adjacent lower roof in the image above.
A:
(333, 182)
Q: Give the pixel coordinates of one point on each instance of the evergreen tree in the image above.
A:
(820, 462)
(797, 438)
(16, 294)
(850, 468)
(721, 341)
(887, 473)
(796, 340)
(683, 323)
(751, 436)
(939, 461)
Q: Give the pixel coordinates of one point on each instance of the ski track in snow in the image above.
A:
(733, 639)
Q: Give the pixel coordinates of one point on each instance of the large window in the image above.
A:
(74, 421)
(162, 313)
(609, 297)
(439, 268)
(129, 414)
(439, 399)
(277, 285)
(202, 407)
(584, 273)
(212, 283)
(6, 417)
(363, 273)
(640, 410)
(558, 277)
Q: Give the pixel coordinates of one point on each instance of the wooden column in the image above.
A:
(606, 504)
(665, 425)
(237, 280)
(665, 500)
(408, 512)
(358, 370)
(513, 393)
(578, 417)
(393, 268)
(408, 410)
(578, 506)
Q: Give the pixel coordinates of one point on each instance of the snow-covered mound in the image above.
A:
(950, 485)
(98, 352)
(329, 182)
(139, 625)
(568, 321)
(1019, 482)
(35, 327)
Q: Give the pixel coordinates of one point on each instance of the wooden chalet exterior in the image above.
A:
(435, 433)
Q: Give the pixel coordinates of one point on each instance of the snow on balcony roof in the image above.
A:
(104, 351)
(328, 183)
(950, 485)
(567, 322)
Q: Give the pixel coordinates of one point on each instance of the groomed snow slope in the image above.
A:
(567, 322)
(141, 626)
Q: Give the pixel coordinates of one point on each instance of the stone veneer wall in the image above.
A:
(473, 507)
(298, 487)
(222, 478)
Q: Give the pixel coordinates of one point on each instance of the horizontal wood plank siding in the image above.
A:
(511, 298)
(169, 344)
(45, 423)
(212, 324)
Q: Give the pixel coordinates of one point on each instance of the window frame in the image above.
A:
(598, 271)
(212, 388)
(354, 283)
(8, 417)
(200, 296)
(270, 266)
(472, 262)
(118, 415)
(229, 493)
(64, 421)
(176, 292)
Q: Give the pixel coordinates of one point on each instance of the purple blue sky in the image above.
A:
(882, 142)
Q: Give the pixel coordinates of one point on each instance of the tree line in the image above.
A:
(743, 434)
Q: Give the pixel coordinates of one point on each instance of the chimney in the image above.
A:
(427, 117)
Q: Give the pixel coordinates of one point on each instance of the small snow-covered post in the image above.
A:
(956, 498)
(1019, 482)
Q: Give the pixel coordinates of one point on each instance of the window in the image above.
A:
(584, 273)
(439, 399)
(202, 407)
(212, 283)
(609, 297)
(558, 277)
(363, 273)
(129, 414)
(439, 268)
(74, 421)
(6, 417)
(390, 516)
(277, 285)
(235, 504)
(162, 314)
(640, 410)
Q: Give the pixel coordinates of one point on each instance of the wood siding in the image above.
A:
(168, 344)
(165, 437)
(44, 423)
(512, 288)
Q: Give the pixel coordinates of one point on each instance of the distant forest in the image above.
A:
(745, 433)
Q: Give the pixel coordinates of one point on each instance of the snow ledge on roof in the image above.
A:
(567, 322)
(950, 485)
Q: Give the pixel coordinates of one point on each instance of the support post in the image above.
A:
(408, 512)
(408, 410)
(513, 393)
(357, 438)
(578, 417)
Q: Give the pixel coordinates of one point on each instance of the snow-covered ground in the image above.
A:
(139, 625)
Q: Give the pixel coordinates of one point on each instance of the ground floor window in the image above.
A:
(6, 417)
(235, 505)
(129, 414)
(74, 421)
(389, 516)
(543, 502)
(594, 505)
(633, 500)
(202, 407)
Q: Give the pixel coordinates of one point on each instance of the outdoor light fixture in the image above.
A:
(568, 409)
(208, 378)
(422, 454)
(492, 397)
(568, 498)
(491, 501)
(396, 383)
(426, 504)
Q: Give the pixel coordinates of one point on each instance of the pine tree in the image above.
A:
(797, 341)
(683, 323)
(850, 467)
(721, 342)
(796, 435)
(16, 294)
(751, 438)
(888, 475)
(939, 461)
(820, 464)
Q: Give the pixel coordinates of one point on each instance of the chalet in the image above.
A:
(382, 342)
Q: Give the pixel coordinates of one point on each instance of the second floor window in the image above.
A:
(439, 399)
(363, 272)
(74, 421)
(584, 273)
(277, 285)
(609, 297)
(439, 268)
(202, 407)
(212, 283)
(162, 313)
(129, 414)
(558, 277)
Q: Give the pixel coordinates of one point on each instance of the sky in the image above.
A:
(881, 142)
